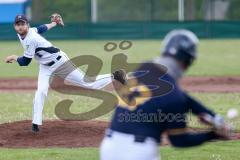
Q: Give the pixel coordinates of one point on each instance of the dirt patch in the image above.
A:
(53, 134)
(193, 84)
(58, 133)
(16, 84)
(211, 84)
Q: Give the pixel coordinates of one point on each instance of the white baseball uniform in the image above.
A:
(37, 47)
(122, 146)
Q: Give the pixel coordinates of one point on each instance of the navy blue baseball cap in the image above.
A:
(20, 18)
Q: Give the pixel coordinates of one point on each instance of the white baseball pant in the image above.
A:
(121, 146)
(76, 77)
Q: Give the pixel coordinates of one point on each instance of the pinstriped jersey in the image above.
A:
(37, 47)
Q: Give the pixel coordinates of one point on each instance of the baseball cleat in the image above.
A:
(120, 76)
(35, 128)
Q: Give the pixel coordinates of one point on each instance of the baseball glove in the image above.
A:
(55, 17)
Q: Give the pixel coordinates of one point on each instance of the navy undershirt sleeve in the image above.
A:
(196, 107)
(42, 29)
(190, 140)
(24, 61)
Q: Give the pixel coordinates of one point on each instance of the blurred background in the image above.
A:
(133, 19)
(89, 24)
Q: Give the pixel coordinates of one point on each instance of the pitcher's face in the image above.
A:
(21, 28)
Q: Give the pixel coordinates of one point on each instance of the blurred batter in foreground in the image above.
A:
(143, 115)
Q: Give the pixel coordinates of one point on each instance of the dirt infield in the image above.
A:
(56, 134)
(89, 133)
(193, 84)
(212, 84)
(53, 134)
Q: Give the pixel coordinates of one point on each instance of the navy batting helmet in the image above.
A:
(182, 45)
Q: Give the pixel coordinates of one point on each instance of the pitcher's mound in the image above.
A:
(57, 133)
(52, 134)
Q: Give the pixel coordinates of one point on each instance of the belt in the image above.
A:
(137, 138)
(53, 62)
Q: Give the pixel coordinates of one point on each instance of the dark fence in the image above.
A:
(133, 30)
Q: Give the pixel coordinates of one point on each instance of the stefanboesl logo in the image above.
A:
(136, 88)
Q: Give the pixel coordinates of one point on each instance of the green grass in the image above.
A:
(49, 154)
(20, 108)
(217, 57)
(212, 151)
(219, 103)
(17, 106)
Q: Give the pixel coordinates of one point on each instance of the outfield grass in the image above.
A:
(17, 106)
(20, 108)
(217, 57)
(212, 151)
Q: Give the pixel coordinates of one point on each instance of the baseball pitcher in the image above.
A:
(50, 58)
(139, 121)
